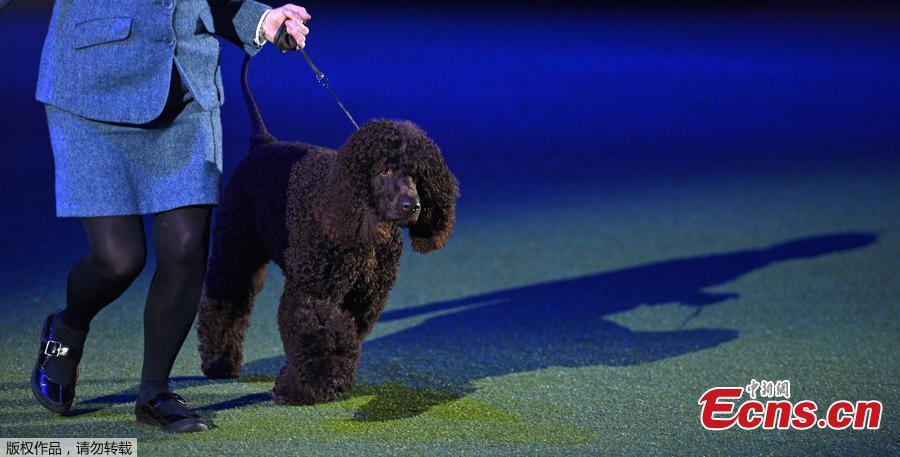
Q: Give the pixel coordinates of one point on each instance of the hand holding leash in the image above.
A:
(289, 18)
(284, 41)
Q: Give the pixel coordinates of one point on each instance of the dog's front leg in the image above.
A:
(322, 351)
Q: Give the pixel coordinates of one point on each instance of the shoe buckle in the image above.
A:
(55, 349)
(181, 400)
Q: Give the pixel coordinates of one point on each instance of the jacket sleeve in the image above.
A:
(3, 3)
(236, 21)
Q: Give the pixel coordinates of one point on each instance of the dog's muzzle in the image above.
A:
(410, 206)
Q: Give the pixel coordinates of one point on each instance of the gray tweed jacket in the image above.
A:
(111, 60)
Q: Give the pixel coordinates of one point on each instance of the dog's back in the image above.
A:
(262, 186)
(256, 193)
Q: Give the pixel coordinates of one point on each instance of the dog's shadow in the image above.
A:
(558, 323)
(390, 401)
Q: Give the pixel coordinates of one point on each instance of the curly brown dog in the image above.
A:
(332, 222)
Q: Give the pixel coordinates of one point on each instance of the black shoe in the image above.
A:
(171, 413)
(56, 369)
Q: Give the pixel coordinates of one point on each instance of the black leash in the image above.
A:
(285, 42)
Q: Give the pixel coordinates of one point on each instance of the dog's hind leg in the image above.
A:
(236, 273)
(322, 351)
(222, 325)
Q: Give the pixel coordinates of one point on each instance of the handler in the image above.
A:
(132, 90)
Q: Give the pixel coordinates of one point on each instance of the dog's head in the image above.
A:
(391, 174)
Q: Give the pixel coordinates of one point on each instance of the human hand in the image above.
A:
(292, 16)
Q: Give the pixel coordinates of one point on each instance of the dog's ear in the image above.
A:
(438, 190)
(345, 215)
(346, 212)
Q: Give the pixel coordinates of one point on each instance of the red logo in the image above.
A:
(720, 410)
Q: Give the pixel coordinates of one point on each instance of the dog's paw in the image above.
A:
(292, 393)
(221, 369)
(305, 396)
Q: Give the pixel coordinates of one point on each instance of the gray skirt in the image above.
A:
(107, 169)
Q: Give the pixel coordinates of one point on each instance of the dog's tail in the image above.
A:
(259, 135)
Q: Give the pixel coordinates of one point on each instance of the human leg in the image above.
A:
(118, 252)
(181, 243)
(116, 256)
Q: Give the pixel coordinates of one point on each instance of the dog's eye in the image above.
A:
(387, 172)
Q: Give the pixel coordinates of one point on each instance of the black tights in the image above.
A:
(117, 255)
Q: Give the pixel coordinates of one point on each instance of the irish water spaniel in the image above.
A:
(332, 222)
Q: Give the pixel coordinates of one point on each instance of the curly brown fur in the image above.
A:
(332, 221)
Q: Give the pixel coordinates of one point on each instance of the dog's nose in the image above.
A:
(411, 205)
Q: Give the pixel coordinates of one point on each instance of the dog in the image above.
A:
(332, 220)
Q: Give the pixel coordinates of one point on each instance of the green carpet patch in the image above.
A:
(389, 413)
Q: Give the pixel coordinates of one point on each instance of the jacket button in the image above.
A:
(168, 4)
(170, 41)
